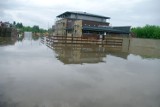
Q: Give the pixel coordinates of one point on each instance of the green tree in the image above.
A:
(148, 31)
(14, 23)
(19, 25)
(35, 28)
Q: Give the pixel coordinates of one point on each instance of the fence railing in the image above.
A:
(109, 41)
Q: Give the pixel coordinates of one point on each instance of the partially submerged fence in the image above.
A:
(146, 47)
(109, 41)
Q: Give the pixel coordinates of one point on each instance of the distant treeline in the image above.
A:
(34, 29)
(148, 31)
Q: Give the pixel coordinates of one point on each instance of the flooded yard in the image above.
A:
(34, 73)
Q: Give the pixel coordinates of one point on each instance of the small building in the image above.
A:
(6, 29)
(7, 24)
(82, 24)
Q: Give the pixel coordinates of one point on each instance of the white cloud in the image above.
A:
(42, 12)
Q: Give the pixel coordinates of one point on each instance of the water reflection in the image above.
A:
(33, 75)
(4, 41)
(7, 41)
(84, 53)
(145, 52)
(78, 54)
(31, 36)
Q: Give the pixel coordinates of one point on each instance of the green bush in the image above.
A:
(148, 31)
(34, 29)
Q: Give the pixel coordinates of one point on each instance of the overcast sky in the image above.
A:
(44, 12)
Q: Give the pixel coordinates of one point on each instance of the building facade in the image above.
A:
(82, 24)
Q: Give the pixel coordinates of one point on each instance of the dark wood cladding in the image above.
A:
(94, 24)
(70, 23)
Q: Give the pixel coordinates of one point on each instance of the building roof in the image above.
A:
(81, 13)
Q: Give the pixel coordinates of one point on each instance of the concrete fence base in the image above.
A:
(146, 47)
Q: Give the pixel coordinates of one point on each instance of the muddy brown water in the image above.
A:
(34, 73)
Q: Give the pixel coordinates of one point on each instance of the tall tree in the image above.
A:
(14, 23)
(35, 28)
(19, 25)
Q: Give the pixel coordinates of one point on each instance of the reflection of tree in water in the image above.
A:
(7, 41)
(20, 38)
(35, 36)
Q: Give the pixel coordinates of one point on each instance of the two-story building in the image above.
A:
(82, 24)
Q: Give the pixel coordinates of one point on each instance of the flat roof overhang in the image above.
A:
(105, 29)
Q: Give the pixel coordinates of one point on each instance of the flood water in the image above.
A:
(34, 73)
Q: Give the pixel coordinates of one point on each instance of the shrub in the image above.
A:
(148, 31)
